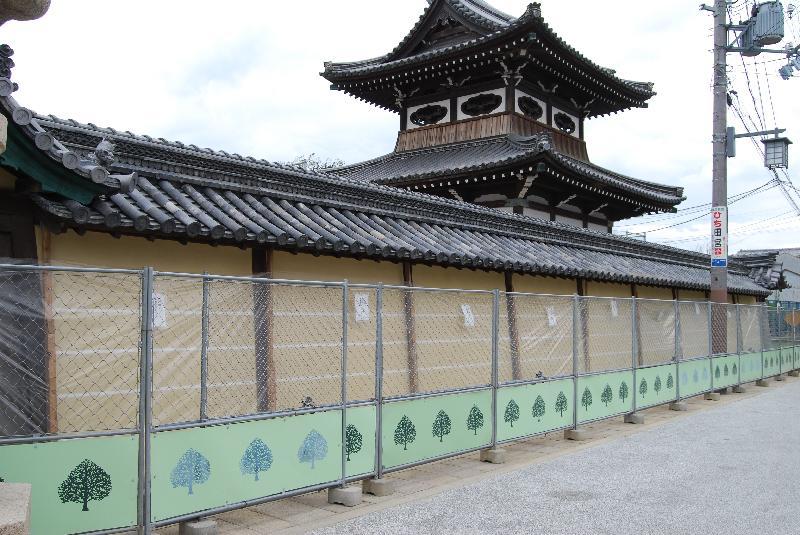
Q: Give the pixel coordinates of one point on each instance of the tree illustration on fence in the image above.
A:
(607, 395)
(705, 374)
(670, 382)
(441, 425)
(474, 419)
(716, 372)
(623, 391)
(85, 483)
(192, 469)
(538, 409)
(643, 387)
(695, 377)
(314, 448)
(734, 369)
(405, 433)
(512, 413)
(352, 440)
(586, 398)
(725, 370)
(561, 404)
(657, 384)
(257, 458)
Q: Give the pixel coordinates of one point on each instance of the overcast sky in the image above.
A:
(243, 76)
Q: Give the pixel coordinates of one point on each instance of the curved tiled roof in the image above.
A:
(507, 151)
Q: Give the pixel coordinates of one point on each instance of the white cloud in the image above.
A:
(244, 77)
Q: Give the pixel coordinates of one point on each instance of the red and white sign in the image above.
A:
(719, 236)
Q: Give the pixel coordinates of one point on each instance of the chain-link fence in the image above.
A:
(75, 342)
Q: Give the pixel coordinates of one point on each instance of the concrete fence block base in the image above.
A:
(634, 418)
(739, 389)
(378, 487)
(794, 373)
(723, 391)
(347, 496)
(780, 378)
(680, 406)
(198, 527)
(15, 508)
(576, 434)
(712, 396)
(493, 456)
(763, 383)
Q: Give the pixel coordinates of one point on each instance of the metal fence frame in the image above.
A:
(145, 428)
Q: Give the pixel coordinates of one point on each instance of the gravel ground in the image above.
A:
(733, 469)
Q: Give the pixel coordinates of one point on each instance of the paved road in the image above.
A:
(734, 469)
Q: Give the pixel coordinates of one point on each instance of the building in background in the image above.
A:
(777, 269)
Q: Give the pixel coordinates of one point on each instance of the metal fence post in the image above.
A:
(345, 311)
(204, 351)
(145, 402)
(677, 350)
(379, 382)
(575, 341)
(495, 370)
(634, 347)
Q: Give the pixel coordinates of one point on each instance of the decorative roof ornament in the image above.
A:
(512, 76)
(402, 96)
(22, 9)
(6, 64)
(103, 154)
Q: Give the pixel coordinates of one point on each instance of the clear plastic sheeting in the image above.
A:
(605, 335)
(535, 337)
(750, 328)
(781, 318)
(693, 329)
(69, 351)
(656, 331)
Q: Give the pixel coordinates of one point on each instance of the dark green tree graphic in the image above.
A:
(405, 433)
(716, 372)
(607, 395)
(586, 398)
(771, 362)
(623, 391)
(561, 404)
(314, 448)
(512, 413)
(87, 482)
(474, 419)
(670, 382)
(657, 384)
(725, 370)
(734, 369)
(257, 458)
(352, 440)
(538, 409)
(643, 387)
(192, 469)
(441, 425)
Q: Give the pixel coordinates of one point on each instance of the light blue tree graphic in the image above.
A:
(192, 469)
(314, 448)
(257, 458)
(685, 378)
(705, 374)
(695, 376)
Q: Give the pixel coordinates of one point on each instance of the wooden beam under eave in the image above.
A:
(411, 329)
(263, 320)
(513, 331)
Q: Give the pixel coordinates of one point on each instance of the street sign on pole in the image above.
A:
(719, 236)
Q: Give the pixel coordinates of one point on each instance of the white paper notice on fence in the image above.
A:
(159, 311)
(362, 306)
(552, 319)
(469, 317)
(614, 308)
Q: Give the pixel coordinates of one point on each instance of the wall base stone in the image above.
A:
(634, 418)
(679, 406)
(712, 396)
(493, 456)
(739, 389)
(576, 434)
(347, 496)
(378, 487)
(762, 382)
(198, 527)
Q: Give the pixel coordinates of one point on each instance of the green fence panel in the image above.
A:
(532, 409)
(360, 441)
(694, 377)
(772, 363)
(725, 371)
(419, 429)
(750, 367)
(202, 468)
(79, 485)
(787, 359)
(604, 395)
(655, 385)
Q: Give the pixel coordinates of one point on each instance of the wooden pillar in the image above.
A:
(513, 332)
(411, 329)
(266, 373)
(584, 326)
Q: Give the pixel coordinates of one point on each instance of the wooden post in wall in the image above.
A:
(513, 332)
(50, 334)
(584, 315)
(411, 330)
(266, 372)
